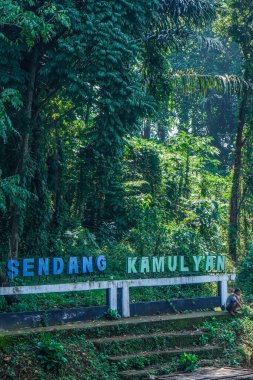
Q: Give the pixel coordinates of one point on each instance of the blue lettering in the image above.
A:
(43, 267)
(101, 263)
(86, 264)
(12, 270)
(28, 267)
(72, 266)
(58, 266)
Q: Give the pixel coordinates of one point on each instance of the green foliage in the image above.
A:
(112, 315)
(211, 327)
(89, 70)
(224, 335)
(84, 362)
(80, 83)
(203, 339)
(11, 190)
(193, 82)
(140, 362)
(79, 240)
(188, 362)
(12, 97)
(5, 344)
(166, 204)
(234, 335)
(228, 338)
(51, 353)
(245, 274)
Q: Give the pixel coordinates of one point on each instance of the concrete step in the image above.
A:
(211, 373)
(162, 370)
(128, 344)
(150, 324)
(136, 325)
(143, 359)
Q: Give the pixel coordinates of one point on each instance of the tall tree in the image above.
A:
(238, 24)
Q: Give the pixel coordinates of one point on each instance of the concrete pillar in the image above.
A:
(125, 301)
(223, 291)
(112, 298)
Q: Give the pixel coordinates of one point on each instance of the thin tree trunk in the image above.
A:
(186, 188)
(22, 165)
(246, 232)
(147, 130)
(236, 182)
(161, 131)
(57, 185)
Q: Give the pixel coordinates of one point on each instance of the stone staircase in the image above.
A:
(142, 347)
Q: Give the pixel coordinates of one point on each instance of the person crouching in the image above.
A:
(233, 302)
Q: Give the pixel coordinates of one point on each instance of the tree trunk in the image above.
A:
(22, 165)
(57, 183)
(186, 186)
(161, 131)
(147, 130)
(235, 190)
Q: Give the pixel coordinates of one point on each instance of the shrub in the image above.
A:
(139, 362)
(51, 354)
(203, 339)
(188, 362)
(211, 327)
(112, 314)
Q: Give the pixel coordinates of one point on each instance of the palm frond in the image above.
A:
(198, 12)
(175, 38)
(179, 21)
(193, 82)
(210, 43)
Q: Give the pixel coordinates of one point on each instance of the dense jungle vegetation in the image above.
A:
(126, 128)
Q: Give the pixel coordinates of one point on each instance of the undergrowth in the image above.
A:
(53, 356)
(234, 335)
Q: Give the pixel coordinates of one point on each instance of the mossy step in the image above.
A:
(161, 323)
(138, 325)
(139, 374)
(149, 324)
(128, 344)
(212, 373)
(143, 373)
(143, 359)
